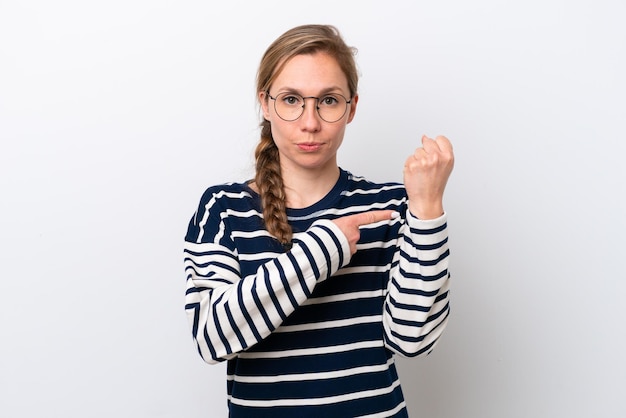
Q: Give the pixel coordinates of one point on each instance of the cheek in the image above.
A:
(339, 134)
(280, 130)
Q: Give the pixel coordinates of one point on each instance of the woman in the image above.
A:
(308, 279)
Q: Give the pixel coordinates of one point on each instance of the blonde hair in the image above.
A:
(305, 39)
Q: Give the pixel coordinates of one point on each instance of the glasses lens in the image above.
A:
(290, 106)
(332, 107)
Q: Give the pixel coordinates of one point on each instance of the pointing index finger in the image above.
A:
(374, 216)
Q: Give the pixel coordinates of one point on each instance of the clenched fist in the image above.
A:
(426, 173)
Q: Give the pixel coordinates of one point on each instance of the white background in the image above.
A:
(115, 115)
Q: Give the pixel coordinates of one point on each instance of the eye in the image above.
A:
(291, 99)
(330, 100)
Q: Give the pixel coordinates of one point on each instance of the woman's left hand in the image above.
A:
(426, 174)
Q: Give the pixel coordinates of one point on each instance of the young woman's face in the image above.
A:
(308, 142)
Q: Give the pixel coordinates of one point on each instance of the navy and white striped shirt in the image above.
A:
(311, 332)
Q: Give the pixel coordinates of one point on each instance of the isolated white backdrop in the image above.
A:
(114, 117)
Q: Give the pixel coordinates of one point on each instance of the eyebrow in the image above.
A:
(333, 89)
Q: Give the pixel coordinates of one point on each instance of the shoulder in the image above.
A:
(359, 185)
(227, 195)
(217, 203)
(359, 194)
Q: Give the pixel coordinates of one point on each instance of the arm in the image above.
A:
(229, 313)
(417, 304)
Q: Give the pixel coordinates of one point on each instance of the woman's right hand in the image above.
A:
(350, 224)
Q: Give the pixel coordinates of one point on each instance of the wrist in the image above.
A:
(426, 211)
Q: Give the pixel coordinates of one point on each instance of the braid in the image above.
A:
(305, 39)
(269, 181)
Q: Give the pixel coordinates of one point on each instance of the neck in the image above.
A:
(307, 188)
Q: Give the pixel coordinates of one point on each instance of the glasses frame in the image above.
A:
(317, 107)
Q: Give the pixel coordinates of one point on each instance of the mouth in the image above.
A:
(309, 146)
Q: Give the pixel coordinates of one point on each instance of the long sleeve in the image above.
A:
(417, 303)
(312, 332)
(229, 313)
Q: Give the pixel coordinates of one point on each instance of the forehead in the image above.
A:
(311, 73)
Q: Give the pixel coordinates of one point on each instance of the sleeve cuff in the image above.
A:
(414, 222)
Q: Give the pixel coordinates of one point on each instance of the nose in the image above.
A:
(310, 118)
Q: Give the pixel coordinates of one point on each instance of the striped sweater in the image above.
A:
(311, 332)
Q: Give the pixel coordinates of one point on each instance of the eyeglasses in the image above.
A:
(290, 106)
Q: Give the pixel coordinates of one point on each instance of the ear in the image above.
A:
(264, 100)
(353, 103)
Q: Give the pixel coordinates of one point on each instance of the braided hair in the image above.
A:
(305, 39)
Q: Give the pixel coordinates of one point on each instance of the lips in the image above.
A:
(309, 146)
